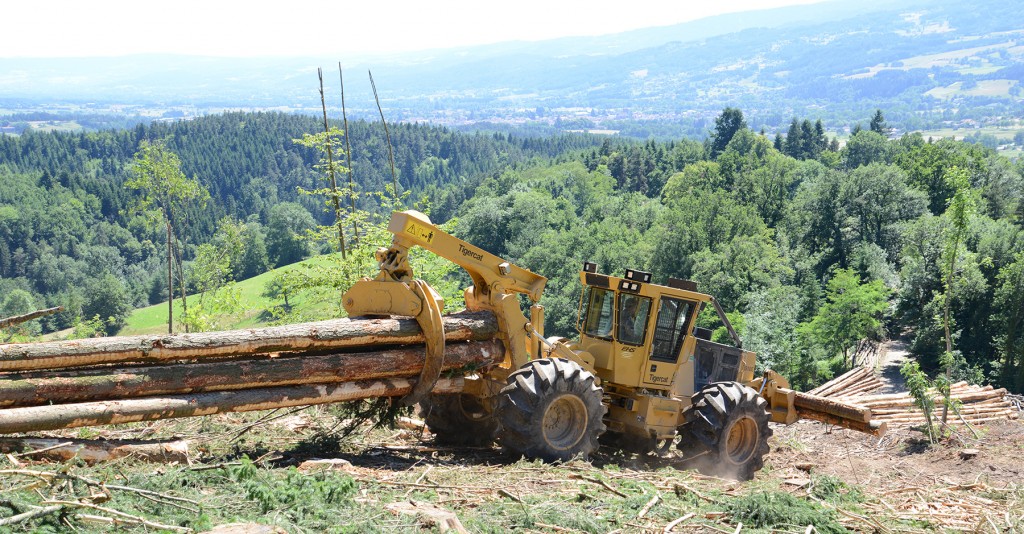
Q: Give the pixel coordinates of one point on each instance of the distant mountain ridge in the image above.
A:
(925, 62)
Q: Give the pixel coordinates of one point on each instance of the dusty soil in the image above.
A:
(902, 458)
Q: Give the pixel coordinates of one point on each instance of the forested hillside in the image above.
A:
(810, 244)
(69, 233)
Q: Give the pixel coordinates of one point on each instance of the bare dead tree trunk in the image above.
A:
(38, 418)
(348, 159)
(330, 169)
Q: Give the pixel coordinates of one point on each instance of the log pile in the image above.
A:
(858, 381)
(67, 384)
(977, 404)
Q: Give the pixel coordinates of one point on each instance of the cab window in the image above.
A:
(633, 313)
(670, 331)
(600, 305)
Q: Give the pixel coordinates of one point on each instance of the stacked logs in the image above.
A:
(66, 384)
(859, 380)
(976, 404)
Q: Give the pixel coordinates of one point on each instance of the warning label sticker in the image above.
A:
(420, 232)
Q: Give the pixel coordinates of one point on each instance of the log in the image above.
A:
(907, 401)
(92, 451)
(38, 418)
(875, 428)
(952, 421)
(824, 389)
(321, 336)
(18, 319)
(108, 384)
(810, 403)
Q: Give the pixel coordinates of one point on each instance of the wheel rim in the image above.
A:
(741, 440)
(471, 408)
(565, 421)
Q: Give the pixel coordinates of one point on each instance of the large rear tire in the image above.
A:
(725, 431)
(551, 409)
(459, 419)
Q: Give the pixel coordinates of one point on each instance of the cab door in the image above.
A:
(670, 341)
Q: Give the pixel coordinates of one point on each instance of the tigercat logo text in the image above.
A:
(467, 252)
(658, 379)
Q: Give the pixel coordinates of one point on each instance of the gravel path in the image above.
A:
(894, 356)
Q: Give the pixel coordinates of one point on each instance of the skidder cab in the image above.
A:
(661, 374)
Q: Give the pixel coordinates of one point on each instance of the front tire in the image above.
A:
(726, 431)
(551, 409)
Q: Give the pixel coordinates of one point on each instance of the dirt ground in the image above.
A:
(972, 481)
(903, 457)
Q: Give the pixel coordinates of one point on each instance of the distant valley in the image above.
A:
(937, 65)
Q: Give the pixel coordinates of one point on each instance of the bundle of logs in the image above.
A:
(974, 404)
(66, 384)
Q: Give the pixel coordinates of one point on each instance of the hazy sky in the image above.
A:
(76, 28)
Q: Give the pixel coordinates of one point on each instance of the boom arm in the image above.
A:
(489, 272)
(495, 284)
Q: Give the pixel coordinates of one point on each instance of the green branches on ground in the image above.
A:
(777, 509)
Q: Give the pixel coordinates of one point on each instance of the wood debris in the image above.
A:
(94, 451)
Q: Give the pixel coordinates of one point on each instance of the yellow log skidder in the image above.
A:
(640, 376)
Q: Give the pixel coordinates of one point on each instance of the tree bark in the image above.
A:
(809, 403)
(874, 428)
(134, 382)
(38, 418)
(323, 336)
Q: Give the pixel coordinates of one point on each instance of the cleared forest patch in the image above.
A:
(290, 470)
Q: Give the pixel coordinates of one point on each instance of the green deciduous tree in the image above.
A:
(156, 173)
(727, 124)
(107, 298)
(1009, 301)
(865, 147)
(961, 208)
(745, 264)
(286, 233)
(771, 318)
(697, 221)
(338, 200)
(852, 311)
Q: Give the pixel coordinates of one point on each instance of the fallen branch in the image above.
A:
(604, 484)
(647, 507)
(18, 319)
(37, 512)
(123, 516)
(676, 522)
